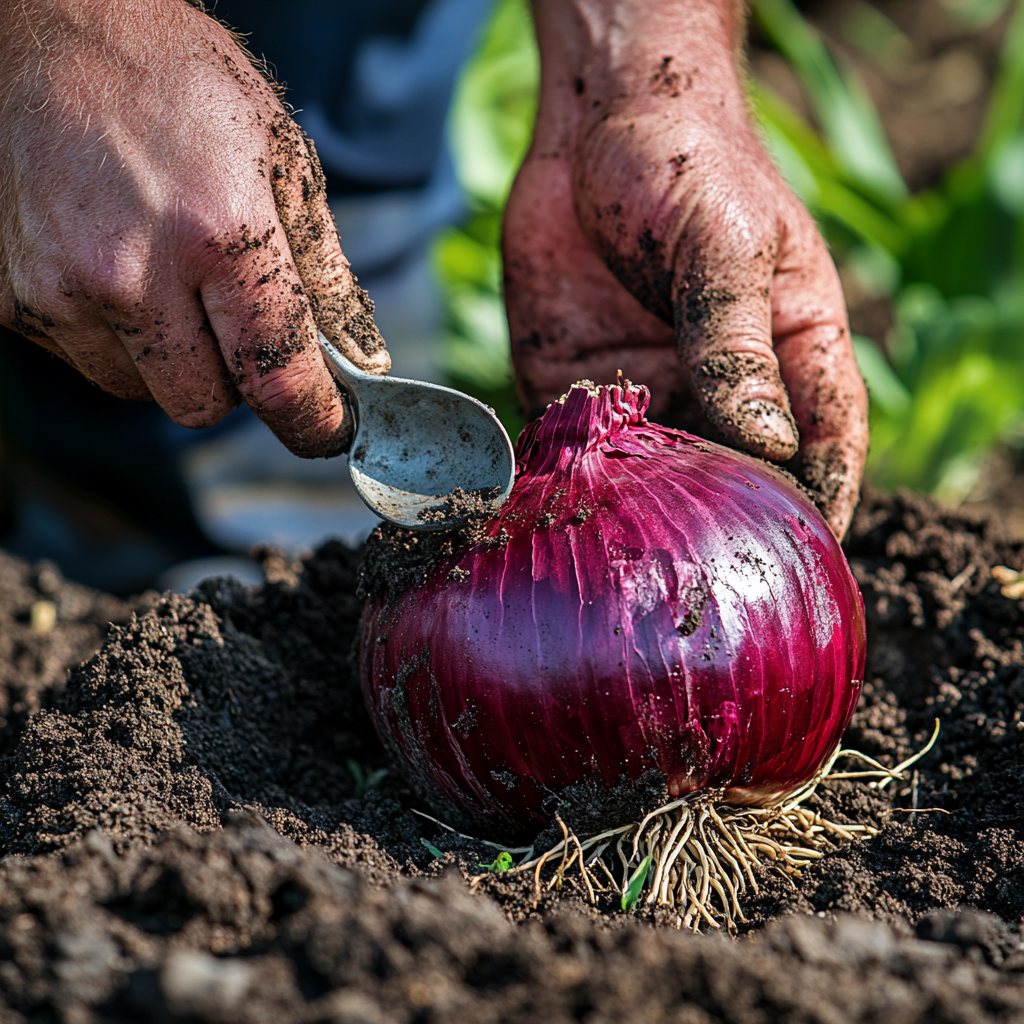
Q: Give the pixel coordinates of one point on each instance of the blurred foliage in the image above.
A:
(948, 383)
(489, 132)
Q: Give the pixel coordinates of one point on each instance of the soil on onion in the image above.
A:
(201, 825)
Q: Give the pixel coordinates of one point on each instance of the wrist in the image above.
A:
(599, 57)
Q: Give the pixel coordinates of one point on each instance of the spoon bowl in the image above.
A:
(423, 456)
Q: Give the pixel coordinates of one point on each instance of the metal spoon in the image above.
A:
(415, 443)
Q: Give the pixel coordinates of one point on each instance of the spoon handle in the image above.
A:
(347, 374)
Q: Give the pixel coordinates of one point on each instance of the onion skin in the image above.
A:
(643, 600)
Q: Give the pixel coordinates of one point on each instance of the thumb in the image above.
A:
(342, 310)
(723, 321)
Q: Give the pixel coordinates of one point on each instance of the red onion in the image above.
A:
(643, 600)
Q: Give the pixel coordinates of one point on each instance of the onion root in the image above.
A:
(704, 854)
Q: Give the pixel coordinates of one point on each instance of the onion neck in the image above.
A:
(582, 418)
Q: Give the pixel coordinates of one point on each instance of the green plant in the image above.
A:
(948, 383)
(364, 782)
(636, 883)
(489, 129)
(501, 863)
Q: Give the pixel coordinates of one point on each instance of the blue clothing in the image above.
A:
(370, 82)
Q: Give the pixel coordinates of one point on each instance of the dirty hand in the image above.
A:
(164, 226)
(649, 231)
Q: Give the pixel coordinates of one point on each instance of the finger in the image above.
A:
(97, 353)
(267, 336)
(829, 400)
(83, 341)
(723, 325)
(693, 239)
(173, 350)
(341, 309)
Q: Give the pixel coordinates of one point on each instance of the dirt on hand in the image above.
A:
(204, 827)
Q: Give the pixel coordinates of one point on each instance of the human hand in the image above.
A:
(164, 226)
(649, 231)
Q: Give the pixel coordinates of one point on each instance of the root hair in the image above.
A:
(702, 855)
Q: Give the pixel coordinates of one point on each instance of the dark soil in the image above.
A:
(47, 625)
(396, 559)
(199, 827)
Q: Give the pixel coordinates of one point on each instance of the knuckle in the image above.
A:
(112, 286)
(239, 239)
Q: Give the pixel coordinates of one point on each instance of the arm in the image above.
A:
(164, 225)
(648, 230)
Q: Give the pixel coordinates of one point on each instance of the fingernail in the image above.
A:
(772, 425)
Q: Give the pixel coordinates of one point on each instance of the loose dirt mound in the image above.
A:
(149, 885)
(47, 625)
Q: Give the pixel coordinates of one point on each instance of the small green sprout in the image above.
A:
(636, 884)
(501, 863)
(431, 847)
(364, 783)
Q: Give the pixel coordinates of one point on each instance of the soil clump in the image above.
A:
(201, 825)
(47, 625)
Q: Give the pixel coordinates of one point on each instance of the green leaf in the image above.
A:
(820, 181)
(1006, 175)
(503, 862)
(976, 14)
(848, 117)
(884, 387)
(1006, 102)
(495, 103)
(364, 783)
(960, 362)
(877, 36)
(861, 217)
(489, 128)
(431, 848)
(636, 883)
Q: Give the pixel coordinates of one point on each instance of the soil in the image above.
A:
(201, 825)
(47, 625)
(396, 559)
